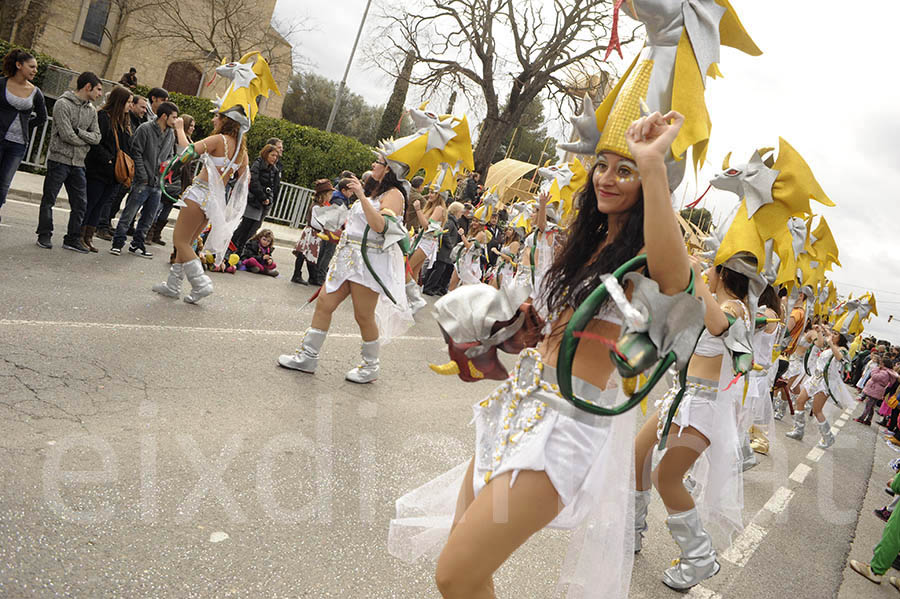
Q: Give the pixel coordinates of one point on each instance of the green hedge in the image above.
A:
(42, 59)
(309, 153)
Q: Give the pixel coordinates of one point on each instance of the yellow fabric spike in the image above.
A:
(688, 99)
(626, 110)
(796, 184)
(732, 32)
(825, 246)
(742, 236)
(412, 154)
(606, 107)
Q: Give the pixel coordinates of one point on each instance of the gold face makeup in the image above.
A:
(626, 170)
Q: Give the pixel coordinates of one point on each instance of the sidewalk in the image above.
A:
(28, 187)
(869, 528)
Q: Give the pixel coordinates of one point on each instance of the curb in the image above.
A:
(33, 197)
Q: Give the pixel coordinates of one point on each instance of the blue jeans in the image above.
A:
(146, 199)
(11, 155)
(59, 174)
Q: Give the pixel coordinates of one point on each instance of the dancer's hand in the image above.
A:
(355, 186)
(416, 204)
(650, 137)
(544, 198)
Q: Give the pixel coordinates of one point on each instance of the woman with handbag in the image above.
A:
(108, 164)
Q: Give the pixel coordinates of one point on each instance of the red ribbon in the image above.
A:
(733, 381)
(614, 36)
(703, 195)
(607, 342)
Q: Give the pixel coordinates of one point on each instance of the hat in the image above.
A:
(666, 77)
(323, 185)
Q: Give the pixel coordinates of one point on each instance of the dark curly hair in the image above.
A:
(374, 188)
(575, 272)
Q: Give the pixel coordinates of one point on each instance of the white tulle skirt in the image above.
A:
(393, 319)
(719, 491)
(525, 424)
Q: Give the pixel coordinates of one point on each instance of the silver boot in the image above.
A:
(414, 297)
(641, 503)
(698, 558)
(827, 439)
(201, 285)
(779, 408)
(306, 358)
(748, 457)
(172, 285)
(799, 425)
(367, 371)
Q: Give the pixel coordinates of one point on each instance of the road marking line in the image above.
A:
(156, 327)
(840, 423)
(779, 500)
(800, 473)
(835, 430)
(744, 545)
(700, 592)
(815, 454)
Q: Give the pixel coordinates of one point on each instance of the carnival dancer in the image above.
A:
(223, 155)
(504, 272)
(824, 381)
(755, 417)
(759, 392)
(469, 254)
(705, 425)
(370, 237)
(798, 324)
(431, 218)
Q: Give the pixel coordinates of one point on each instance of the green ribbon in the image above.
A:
(806, 359)
(364, 250)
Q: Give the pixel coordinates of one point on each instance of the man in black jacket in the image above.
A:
(439, 276)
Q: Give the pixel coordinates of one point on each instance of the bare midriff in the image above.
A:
(592, 363)
(705, 367)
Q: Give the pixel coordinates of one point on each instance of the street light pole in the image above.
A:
(340, 91)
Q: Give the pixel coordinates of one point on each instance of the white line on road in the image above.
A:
(207, 330)
(744, 545)
(815, 454)
(779, 500)
(800, 472)
(839, 424)
(700, 592)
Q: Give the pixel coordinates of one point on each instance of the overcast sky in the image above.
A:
(825, 83)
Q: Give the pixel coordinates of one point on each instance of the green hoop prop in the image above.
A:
(580, 319)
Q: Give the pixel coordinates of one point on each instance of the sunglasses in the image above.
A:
(381, 162)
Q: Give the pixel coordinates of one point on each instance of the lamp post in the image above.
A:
(340, 91)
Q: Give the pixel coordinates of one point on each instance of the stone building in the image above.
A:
(110, 36)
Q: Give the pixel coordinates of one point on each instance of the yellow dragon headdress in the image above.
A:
(684, 39)
(438, 140)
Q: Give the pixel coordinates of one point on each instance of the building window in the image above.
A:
(95, 22)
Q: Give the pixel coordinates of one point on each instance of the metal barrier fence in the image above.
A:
(290, 206)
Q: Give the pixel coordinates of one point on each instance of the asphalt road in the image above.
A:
(137, 432)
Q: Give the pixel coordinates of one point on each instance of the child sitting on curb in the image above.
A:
(257, 254)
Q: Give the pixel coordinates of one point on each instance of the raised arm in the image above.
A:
(391, 203)
(541, 223)
(714, 317)
(649, 139)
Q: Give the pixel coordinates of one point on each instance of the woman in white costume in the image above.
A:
(828, 362)
(704, 427)
(760, 417)
(431, 218)
(507, 256)
(223, 155)
(546, 461)
(372, 277)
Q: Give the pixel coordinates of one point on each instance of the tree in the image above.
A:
(309, 99)
(529, 139)
(21, 21)
(216, 29)
(116, 29)
(393, 110)
(459, 45)
(699, 217)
